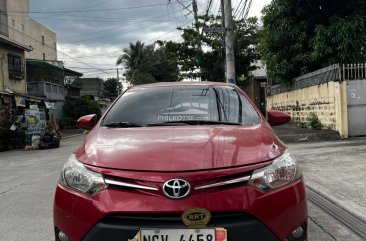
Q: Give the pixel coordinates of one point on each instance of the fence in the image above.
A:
(322, 92)
(354, 71)
(331, 73)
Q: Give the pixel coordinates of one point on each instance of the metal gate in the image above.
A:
(356, 102)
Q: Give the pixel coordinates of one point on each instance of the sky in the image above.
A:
(91, 34)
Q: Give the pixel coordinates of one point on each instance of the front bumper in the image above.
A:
(116, 214)
(124, 227)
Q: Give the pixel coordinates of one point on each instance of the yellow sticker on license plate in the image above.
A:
(189, 234)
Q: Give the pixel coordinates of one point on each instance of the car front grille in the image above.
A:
(240, 226)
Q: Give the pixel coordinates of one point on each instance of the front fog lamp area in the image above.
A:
(282, 171)
(76, 176)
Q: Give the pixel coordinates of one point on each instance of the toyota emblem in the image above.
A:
(176, 188)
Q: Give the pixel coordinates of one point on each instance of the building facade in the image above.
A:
(12, 66)
(19, 27)
(47, 79)
(93, 87)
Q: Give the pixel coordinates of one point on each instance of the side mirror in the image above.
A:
(276, 117)
(87, 122)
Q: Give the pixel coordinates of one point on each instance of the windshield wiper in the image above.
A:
(122, 124)
(220, 105)
(198, 122)
(169, 123)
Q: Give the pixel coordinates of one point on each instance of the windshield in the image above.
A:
(183, 104)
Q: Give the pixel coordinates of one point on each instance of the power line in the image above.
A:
(108, 36)
(216, 9)
(89, 11)
(206, 17)
(243, 10)
(165, 34)
(185, 7)
(49, 46)
(237, 8)
(105, 30)
(114, 21)
(248, 8)
(100, 70)
(94, 5)
(74, 67)
(115, 51)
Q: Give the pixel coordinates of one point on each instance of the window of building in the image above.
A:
(23, 28)
(13, 22)
(16, 70)
(43, 40)
(60, 90)
(55, 45)
(48, 88)
(44, 56)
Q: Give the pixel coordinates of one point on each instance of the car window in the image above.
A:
(153, 105)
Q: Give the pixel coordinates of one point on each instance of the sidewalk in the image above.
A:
(335, 169)
(290, 133)
(71, 133)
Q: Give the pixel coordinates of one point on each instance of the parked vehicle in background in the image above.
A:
(185, 162)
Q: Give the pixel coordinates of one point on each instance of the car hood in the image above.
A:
(182, 148)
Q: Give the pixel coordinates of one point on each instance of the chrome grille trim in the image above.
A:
(219, 184)
(130, 185)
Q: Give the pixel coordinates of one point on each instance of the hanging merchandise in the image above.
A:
(33, 121)
(20, 101)
(7, 99)
(50, 105)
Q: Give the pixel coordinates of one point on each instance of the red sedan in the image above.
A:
(181, 162)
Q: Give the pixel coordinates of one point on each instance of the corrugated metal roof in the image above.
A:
(46, 65)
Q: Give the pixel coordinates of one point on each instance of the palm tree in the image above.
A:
(140, 62)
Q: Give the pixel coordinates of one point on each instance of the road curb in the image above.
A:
(341, 201)
(66, 137)
(308, 137)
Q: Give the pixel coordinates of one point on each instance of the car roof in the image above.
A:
(185, 83)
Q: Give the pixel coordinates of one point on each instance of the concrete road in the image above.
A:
(337, 170)
(27, 185)
(28, 180)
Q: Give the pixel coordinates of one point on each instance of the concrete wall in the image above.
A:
(327, 100)
(57, 112)
(18, 86)
(28, 32)
(356, 92)
(50, 90)
(3, 18)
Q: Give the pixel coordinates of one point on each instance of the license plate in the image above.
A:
(206, 234)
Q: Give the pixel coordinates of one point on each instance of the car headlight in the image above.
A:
(76, 176)
(282, 171)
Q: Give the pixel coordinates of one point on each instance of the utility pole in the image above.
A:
(224, 35)
(199, 46)
(229, 42)
(195, 11)
(118, 91)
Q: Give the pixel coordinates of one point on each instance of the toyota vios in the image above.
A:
(181, 162)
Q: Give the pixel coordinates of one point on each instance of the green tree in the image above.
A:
(76, 108)
(302, 36)
(166, 67)
(112, 86)
(148, 64)
(139, 63)
(207, 60)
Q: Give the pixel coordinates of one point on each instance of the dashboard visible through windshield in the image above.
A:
(143, 106)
